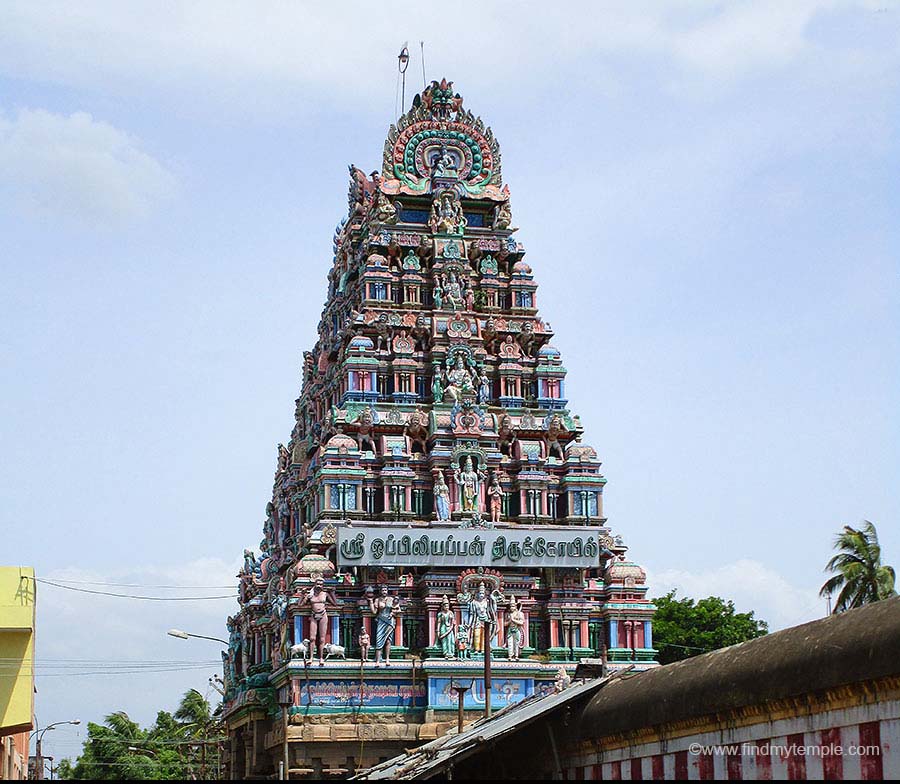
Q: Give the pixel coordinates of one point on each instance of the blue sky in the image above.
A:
(707, 192)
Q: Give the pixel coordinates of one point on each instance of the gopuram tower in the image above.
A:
(435, 502)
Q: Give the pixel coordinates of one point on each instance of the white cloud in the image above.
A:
(751, 585)
(76, 167)
(239, 52)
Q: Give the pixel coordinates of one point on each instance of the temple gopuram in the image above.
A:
(435, 503)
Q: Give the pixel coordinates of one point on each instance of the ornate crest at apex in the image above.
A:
(437, 145)
(439, 100)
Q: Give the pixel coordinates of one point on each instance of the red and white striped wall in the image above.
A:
(852, 743)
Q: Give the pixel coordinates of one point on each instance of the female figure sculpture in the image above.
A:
(441, 497)
(385, 608)
(515, 630)
(438, 296)
(446, 630)
(484, 388)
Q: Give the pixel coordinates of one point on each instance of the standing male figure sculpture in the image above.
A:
(495, 494)
(482, 609)
(385, 608)
(318, 599)
(468, 480)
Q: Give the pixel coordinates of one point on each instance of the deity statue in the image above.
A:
(563, 680)
(482, 609)
(441, 496)
(364, 644)
(385, 212)
(447, 214)
(251, 565)
(269, 524)
(443, 163)
(385, 608)
(318, 599)
(460, 381)
(446, 630)
(503, 216)
(554, 429)
(245, 647)
(382, 332)
(454, 291)
(438, 296)
(284, 519)
(365, 437)
(484, 388)
(495, 494)
(507, 435)
(425, 251)
(417, 431)
(462, 642)
(469, 481)
(284, 458)
(279, 606)
(421, 333)
(437, 391)
(527, 338)
(235, 643)
(515, 630)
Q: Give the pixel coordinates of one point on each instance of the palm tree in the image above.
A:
(860, 577)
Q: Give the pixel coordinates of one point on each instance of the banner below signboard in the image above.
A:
(383, 546)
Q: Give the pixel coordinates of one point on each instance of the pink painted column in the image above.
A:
(398, 633)
(554, 635)
(454, 493)
(584, 634)
(408, 493)
(432, 627)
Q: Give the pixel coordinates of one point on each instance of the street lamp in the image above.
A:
(185, 635)
(39, 757)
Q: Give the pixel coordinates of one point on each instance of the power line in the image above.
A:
(132, 596)
(139, 585)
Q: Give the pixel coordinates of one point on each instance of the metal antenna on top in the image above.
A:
(402, 65)
(424, 80)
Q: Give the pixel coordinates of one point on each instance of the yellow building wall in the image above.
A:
(17, 609)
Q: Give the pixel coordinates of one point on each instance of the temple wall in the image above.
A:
(836, 738)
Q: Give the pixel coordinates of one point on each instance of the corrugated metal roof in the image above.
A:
(434, 756)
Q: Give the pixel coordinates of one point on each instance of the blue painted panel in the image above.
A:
(504, 691)
(346, 693)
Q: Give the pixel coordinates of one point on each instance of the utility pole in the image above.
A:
(488, 627)
(460, 692)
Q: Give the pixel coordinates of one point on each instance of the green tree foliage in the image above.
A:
(178, 746)
(859, 577)
(684, 628)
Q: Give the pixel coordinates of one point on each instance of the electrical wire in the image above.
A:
(140, 585)
(132, 596)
